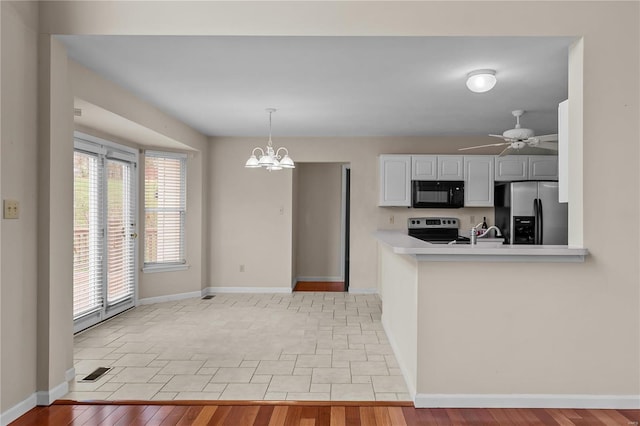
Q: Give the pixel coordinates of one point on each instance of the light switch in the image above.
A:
(11, 209)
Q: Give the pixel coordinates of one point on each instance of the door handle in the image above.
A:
(535, 221)
(540, 228)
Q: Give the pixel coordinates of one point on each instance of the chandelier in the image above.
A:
(270, 158)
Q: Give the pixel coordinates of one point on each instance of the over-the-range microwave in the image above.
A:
(437, 194)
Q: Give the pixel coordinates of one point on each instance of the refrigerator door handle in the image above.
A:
(535, 221)
(540, 228)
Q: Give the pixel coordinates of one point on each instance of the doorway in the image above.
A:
(320, 227)
(105, 230)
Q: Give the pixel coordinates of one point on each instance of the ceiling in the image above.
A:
(336, 86)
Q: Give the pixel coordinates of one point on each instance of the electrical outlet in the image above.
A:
(241, 268)
(472, 219)
(392, 219)
(11, 209)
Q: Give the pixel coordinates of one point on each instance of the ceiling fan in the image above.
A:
(520, 137)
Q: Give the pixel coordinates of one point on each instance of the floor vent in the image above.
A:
(97, 373)
(208, 296)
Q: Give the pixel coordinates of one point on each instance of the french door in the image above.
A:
(105, 231)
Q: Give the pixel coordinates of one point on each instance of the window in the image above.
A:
(165, 205)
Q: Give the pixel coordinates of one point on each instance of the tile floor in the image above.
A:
(300, 346)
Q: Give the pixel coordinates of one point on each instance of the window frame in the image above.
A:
(151, 267)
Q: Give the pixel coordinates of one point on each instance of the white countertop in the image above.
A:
(401, 243)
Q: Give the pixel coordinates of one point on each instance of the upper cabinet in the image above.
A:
(450, 167)
(479, 180)
(424, 167)
(479, 172)
(395, 180)
(543, 167)
(437, 167)
(526, 167)
(511, 167)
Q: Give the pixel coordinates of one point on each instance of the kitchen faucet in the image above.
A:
(474, 232)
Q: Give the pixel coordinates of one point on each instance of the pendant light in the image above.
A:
(269, 158)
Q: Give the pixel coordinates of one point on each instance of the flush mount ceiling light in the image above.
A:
(481, 81)
(270, 159)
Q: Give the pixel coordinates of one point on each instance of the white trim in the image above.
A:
(18, 410)
(47, 397)
(165, 154)
(152, 268)
(363, 290)
(327, 279)
(615, 402)
(401, 362)
(70, 374)
(95, 142)
(343, 221)
(216, 290)
(170, 297)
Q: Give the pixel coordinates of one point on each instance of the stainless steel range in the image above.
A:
(436, 230)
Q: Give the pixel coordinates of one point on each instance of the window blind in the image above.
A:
(87, 234)
(165, 204)
(120, 230)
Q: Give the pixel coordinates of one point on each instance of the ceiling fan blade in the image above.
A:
(506, 151)
(552, 146)
(547, 138)
(484, 146)
(497, 136)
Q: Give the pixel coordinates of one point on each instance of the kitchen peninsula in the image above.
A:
(401, 243)
(449, 312)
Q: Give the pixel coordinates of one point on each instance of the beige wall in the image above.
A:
(247, 227)
(521, 328)
(250, 219)
(18, 145)
(399, 291)
(96, 90)
(596, 302)
(55, 215)
(317, 220)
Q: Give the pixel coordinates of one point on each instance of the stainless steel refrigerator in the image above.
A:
(529, 213)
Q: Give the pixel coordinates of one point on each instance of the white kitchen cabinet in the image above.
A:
(543, 167)
(479, 180)
(511, 167)
(395, 180)
(424, 167)
(450, 167)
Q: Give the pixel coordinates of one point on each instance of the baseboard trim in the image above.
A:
(363, 290)
(401, 362)
(47, 397)
(70, 374)
(18, 410)
(321, 279)
(169, 298)
(613, 402)
(217, 290)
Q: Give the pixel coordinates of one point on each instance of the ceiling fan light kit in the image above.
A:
(269, 158)
(481, 81)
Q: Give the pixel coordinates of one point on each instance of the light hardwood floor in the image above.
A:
(312, 414)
